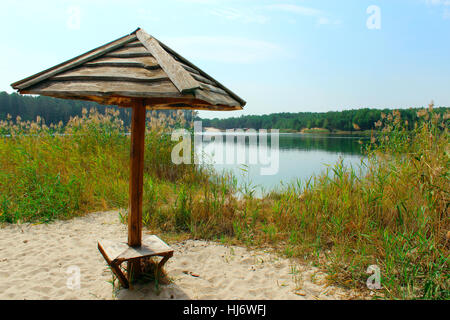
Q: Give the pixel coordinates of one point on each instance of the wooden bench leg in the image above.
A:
(118, 272)
(133, 269)
(115, 268)
(162, 262)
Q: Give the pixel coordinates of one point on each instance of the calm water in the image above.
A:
(300, 156)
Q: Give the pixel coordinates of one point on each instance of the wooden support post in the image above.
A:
(136, 183)
(136, 175)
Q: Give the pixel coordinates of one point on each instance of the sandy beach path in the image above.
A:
(38, 261)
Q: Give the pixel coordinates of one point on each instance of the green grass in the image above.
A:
(393, 212)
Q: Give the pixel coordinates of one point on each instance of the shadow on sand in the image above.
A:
(149, 291)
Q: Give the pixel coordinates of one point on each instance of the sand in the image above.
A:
(38, 261)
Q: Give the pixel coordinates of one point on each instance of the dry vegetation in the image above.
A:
(392, 213)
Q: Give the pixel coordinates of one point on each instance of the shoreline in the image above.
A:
(364, 133)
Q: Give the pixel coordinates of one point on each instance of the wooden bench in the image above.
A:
(116, 252)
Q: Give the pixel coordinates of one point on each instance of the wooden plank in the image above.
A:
(197, 105)
(149, 61)
(115, 268)
(113, 249)
(187, 68)
(136, 50)
(200, 78)
(120, 101)
(151, 246)
(144, 62)
(129, 52)
(216, 98)
(205, 107)
(191, 66)
(128, 55)
(119, 251)
(124, 65)
(101, 88)
(160, 101)
(211, 88)
(112, 73)
(109, 78)
(88, 56)
(134, 44)
(136, 174)
(179, 76)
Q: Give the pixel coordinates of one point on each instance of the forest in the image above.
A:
(348, 120)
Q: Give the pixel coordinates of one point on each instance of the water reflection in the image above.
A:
(300, 156)
(331, 143)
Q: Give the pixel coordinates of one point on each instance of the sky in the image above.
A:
(279, 56)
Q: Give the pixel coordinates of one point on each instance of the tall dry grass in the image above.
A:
(54, 172)
(391, 212)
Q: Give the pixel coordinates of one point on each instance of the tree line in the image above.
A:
(53, 110)
(348, 120)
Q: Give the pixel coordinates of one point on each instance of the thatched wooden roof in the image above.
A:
(136, 66)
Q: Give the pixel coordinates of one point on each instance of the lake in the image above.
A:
(300, 156)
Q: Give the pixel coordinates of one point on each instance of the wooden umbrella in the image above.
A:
(139, 72)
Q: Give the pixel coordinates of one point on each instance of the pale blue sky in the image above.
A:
(280, 56)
